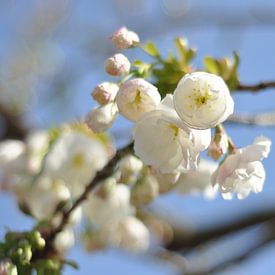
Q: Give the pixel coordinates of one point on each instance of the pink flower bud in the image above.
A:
(105, 92)
(123, 38)
(218, 146)
(117, 65)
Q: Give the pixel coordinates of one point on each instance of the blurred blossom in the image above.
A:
(113, 204)
(101, 118)
(75, 158)
(198, 181)
(64, 240)
(41, 197)
(129, 168)
(128, 233)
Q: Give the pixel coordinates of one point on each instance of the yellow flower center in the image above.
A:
(78, 160)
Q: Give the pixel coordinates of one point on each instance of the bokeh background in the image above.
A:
(52, 54)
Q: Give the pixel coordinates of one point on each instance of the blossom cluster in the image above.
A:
(171, 132)
(50, 170)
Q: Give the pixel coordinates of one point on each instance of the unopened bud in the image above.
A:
(218, 146)
(105, 92)
(123, 38)
(145, 190)
(101, 118)
(167, 181)
(129, 166)
(117, 65)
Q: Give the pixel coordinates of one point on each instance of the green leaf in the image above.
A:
(211, 65)
(72, 264)
(151, 49)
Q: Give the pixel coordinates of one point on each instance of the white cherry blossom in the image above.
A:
(163, 141)
(75, 158)
(136, 97)
(203, 100)
(242, 172)
(113, 205)
(101, 118)
(198, 181)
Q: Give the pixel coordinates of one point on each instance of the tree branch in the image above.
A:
(106, 172)
(251, 251)
(13, 127)
(190, 239)
(256, 87)
(264, 119)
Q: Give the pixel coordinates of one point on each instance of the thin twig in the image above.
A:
(256, 87)
(263, 119)
(106, 172)
(190, 239)
(13, 126)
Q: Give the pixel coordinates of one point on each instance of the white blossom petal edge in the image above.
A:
(163, 141)
(243, 172)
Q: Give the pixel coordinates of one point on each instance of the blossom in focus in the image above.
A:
(117, 65)
(242, 172)
(202, 100)
(136, 97)
(218, 146)
(111, 202)
(75, 158)
(101, 118)
(128, 233)
(124, 38)
(198, 181)
(105, 92)
(163, 141)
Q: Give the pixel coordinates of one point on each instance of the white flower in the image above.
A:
(136, 97)
(101, 118)
(117, 65)
(166, 181)
(198, 181)
(37, 146)
(163, 141)
(113, 205)
(202, 100)
(105, 92)
(145, 189)
(75, 158)
(123, 38)
(7, 267)
(242, 172)
(64, 240)
(128, 233)
(42, 196)
(11, 152)
(129, 168)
